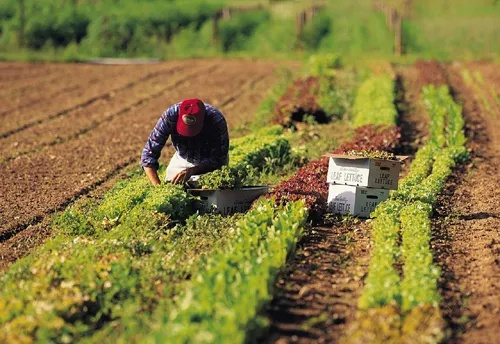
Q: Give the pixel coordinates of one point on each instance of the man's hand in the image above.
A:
(182, 177)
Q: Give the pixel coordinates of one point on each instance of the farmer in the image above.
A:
(199, 135)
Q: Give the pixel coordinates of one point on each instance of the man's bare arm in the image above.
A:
(152, 175)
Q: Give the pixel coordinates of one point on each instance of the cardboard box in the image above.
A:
(227, 202)
(357, 200)
(360, 171)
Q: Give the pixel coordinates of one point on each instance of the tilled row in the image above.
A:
(467, 243)
(23, 73)
(83, 118)
(14, 88)
(85, 84)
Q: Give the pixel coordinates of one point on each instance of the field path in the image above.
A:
(469, 223)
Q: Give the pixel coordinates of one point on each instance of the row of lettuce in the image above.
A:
(246, 164)
(485, 93)
(143, 263)
(400, 300)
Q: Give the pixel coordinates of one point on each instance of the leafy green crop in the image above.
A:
(249, 155)
(419, 285)
(382, 283)
(76, 285)
(223, 301)
(408, 213)
(374, 102)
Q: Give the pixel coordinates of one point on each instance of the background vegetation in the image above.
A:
(168, 29)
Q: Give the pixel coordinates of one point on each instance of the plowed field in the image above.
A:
(69, 130)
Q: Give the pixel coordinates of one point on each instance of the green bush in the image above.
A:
(315, 30)
(7, 11)
(235, 31)
(59, 29)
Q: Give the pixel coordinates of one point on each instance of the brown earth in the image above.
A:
(468, 221)
(317, 294)
(62, 140)
(67, 131)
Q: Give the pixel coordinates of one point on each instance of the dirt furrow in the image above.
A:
(233, 97)
(53, 101)
(15, 88)
(22, 73)
(251, 90)
(80, 120)
(467, 225)
(23, 242)
(66, 73)
(22, 101)
(317, 296)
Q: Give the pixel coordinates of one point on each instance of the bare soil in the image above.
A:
(468, 221)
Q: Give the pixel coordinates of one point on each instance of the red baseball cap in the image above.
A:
(191, 117)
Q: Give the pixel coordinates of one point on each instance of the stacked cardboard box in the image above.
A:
(358, 184)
